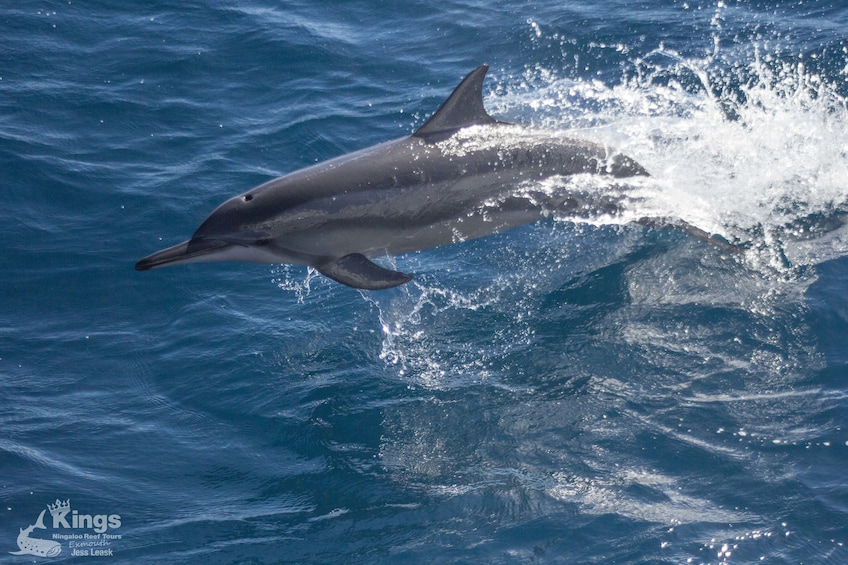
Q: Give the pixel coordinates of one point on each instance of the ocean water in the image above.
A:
(564, 392)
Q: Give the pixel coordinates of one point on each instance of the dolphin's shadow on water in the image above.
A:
(536, 297)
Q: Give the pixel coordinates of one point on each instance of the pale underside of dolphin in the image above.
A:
(462, 175)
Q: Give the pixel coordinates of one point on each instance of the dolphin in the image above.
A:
(461, 175)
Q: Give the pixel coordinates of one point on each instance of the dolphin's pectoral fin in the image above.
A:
(713, 239)
(357, 271)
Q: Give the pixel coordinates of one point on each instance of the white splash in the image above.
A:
(763, 162)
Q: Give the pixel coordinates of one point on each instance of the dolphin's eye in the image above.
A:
(261, 242)
(247, 197)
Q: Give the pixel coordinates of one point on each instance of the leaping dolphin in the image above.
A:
(461, 175)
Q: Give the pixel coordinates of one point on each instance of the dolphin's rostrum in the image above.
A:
(462, 175)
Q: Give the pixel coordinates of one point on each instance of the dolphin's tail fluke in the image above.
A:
(713, 239)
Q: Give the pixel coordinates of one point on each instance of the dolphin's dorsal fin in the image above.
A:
(464, 107)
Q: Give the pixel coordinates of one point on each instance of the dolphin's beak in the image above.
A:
(192, 251)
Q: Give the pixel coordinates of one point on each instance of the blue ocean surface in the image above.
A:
(564, 392)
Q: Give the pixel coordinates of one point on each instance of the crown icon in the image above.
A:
(59, 507)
